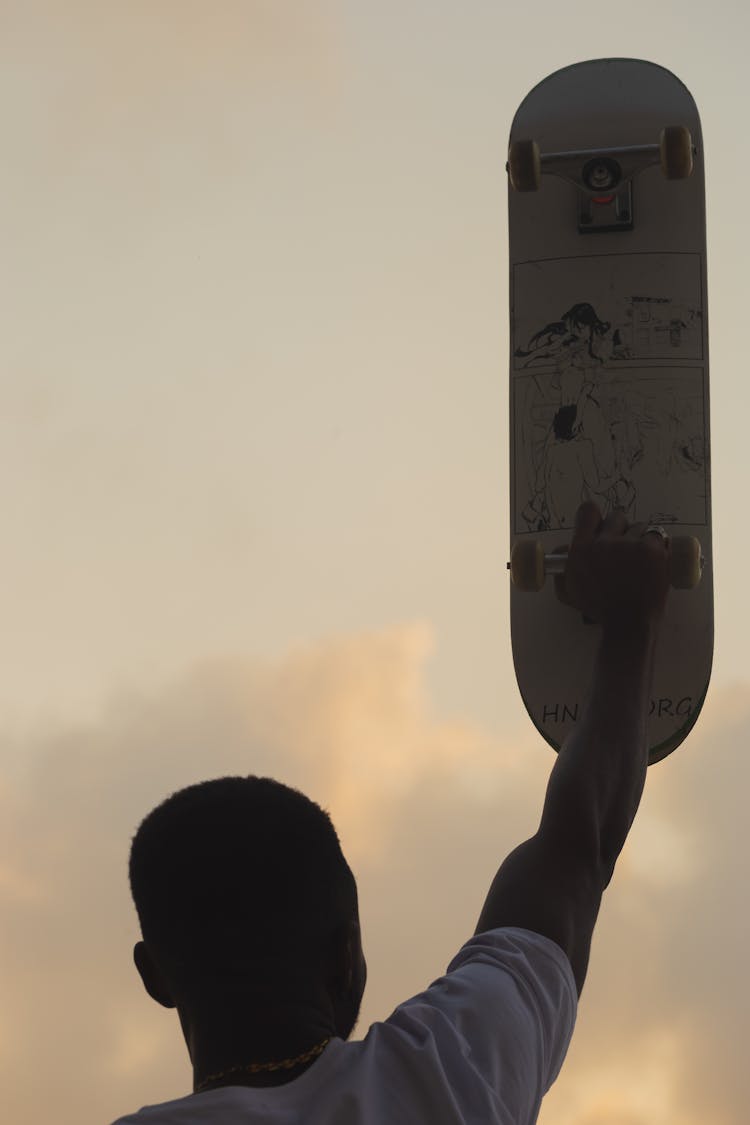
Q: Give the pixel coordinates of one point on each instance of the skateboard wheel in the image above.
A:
(525, 165)
(676, 152)
(527, 565)
(687, 562)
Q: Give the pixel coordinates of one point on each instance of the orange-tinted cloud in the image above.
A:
(666, 1011)
(426, 811)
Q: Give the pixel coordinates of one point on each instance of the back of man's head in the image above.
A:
(234, 871)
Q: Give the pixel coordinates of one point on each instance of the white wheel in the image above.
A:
(527, 565)
(687, 562)
(525, 165)
(676, 150)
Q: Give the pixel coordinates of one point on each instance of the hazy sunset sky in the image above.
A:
(254, 498)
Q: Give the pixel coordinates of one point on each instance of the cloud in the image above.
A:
(667, 1002)
(426, 810)
(345, 720)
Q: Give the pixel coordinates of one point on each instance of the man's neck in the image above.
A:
(226, 1040)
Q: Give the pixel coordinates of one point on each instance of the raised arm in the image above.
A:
(553, 883)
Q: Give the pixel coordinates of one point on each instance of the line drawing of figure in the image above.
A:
(578, 327)
(573, 459)
(646, 327)
(586, 431)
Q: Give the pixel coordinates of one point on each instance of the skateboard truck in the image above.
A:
(603, 177)
(529, 565)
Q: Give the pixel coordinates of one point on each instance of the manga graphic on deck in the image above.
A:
(608, 396)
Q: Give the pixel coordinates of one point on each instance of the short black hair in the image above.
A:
(238, 867)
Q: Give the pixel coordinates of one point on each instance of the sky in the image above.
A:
(255, 508)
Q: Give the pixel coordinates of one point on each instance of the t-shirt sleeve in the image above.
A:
(510, 1000)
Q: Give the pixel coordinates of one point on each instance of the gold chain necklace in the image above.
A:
(257, 1068)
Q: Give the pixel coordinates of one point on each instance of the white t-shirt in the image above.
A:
(481, 1046)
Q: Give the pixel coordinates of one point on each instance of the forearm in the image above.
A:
(553, 883)
(618, 575)
(596, 784)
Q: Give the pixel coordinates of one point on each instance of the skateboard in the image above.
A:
(608, 371)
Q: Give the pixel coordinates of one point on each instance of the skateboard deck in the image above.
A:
(608, 365)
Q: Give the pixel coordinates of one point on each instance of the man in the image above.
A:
(250, 926)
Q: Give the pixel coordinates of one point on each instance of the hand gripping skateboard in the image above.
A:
(608, 371)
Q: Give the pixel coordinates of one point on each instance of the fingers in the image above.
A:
(614, 523)
(613, 568)
(590, 525)
(636, 530)
(654, 540)
(588, 522)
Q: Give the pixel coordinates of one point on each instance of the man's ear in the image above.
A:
(153, 981)
(346, 961)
